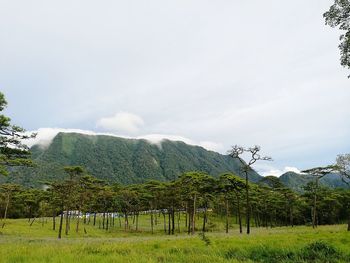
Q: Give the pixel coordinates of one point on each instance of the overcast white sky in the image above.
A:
(216, 72)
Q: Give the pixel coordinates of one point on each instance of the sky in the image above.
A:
(212, 73)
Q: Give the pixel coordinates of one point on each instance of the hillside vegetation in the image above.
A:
(120, 160)
(129, 161)
(297, 182)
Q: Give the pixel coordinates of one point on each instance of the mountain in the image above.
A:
(297, 181)
(121, 160)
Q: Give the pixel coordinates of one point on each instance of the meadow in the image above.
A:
(20, 242)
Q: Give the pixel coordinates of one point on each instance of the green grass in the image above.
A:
(38, 243)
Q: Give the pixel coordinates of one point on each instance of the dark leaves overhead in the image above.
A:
(12, 150)
(339, 16)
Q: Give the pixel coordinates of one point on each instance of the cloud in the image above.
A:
(158, 138)
(205, 77)
(121, 122)
(217, 147)
(278, 172)
(46, 135)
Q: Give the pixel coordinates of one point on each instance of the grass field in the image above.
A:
(21, 243)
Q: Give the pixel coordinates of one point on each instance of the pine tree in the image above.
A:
(12, 150)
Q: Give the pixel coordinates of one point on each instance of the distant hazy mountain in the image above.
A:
(121, 160)
(297, 181)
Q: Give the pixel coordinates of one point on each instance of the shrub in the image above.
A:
(320, 251)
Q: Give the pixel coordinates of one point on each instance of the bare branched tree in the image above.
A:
(318, 173)
(343, 167)
(237, 153)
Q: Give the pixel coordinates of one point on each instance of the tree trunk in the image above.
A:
(67, 222)
(156, 218)
(189, 222)
(172, 221)
(126, 221)
(257, 219)
(194, 214)
(152, 230)
(53, 220)
(94, 218)
(69, 219)
(78, 222)
(227, 212)
(164, 221)
(137, 221)
(204, 218)
(103, 220)
(239, 216)
(6, 208)
(107, 222)
(247, 202)
(169, 219)
(286, 217)
(30, 214)
(314, 212)
(32, 221)
(61, 224)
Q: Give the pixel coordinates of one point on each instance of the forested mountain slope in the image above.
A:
(297, 181)
(121, 160)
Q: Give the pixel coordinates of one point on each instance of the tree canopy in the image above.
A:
(12, 150)
(338, 16)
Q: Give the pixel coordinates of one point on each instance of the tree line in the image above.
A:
(195, 198)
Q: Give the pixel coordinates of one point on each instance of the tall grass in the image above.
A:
(38, 243)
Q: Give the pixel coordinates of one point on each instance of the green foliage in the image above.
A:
(338, 15)
(229, 183)
(297, 181)
(21, 243)
(271, 181)
(12, 150)
(205, 238)
(320, 251)
(193, 193)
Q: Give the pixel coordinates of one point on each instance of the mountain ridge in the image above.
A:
(297, 181)
(122, 160)
(128, 161)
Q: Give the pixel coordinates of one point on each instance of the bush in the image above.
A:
(271, 255)
(320, 251)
